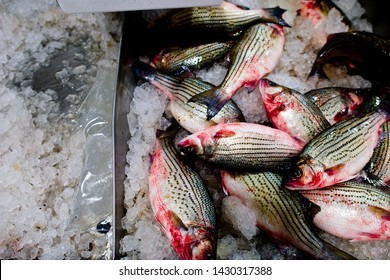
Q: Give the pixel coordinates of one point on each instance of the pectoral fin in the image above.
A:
(177, 222)
(224, 133)
(379, 212)
(335, 169)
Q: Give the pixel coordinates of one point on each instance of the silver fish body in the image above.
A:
(256, 53)
(291, 111)
(337, 154)
(242, 146)
(181, 204)
(177, 60)
(226, 18)
(379, 164)
(190, 115)
(352, 210)
(336, 103)
(278, 211)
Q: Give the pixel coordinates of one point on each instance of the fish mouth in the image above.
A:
(267, 82)
(203, 249)
(186, 148)
(264, 84)
(295, 180)
(292, 183)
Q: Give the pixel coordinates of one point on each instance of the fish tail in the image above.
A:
(214, 99)
(143, 71)
(276, 13)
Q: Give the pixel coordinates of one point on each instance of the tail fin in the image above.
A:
(214, 99)
(143, 71)
(276, 14)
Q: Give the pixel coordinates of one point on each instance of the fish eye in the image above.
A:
(272, 84)
(298, 173)
(188, 150)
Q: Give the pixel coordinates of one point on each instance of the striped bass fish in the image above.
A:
(379, 165)
(363, 53)
(256, 53)
(242, 146)
(181, 204)
(338, 154)
(177, 61)
(352, 210)
(278, 211)
(291, 111)
(227, 18)
(337, 103)
(190, 115)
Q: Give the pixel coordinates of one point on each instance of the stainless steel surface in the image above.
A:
(121, 133)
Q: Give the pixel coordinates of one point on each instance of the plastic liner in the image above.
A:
(93, 202)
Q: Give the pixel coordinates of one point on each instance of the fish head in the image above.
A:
(274, 96)
(199, 244)
(307, 174)
(199, 144)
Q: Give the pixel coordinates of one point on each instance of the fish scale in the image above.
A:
(242, 145)
(379, 164)
(182, 90)
(291, 111)
(178, 60)
(337, 103)
(339, 153)
(252, 149)
(190, 115)
(278, 211)
(255, 54)
(181, 203)
(182, 177)
(338, 136)
(248, 50)
(226, 18)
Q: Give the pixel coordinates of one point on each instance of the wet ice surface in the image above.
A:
(238, 236)
(48, 65)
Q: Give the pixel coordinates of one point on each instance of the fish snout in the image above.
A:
(294, 179)
(143, 71)
(306, 176)
(269, 88)
(204, 248)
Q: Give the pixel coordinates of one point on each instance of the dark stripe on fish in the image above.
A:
(332, 143)
(379, 164)
(285, 207)
(187, 187)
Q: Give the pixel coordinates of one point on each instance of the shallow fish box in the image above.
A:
(77, 134)
(137, 235)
